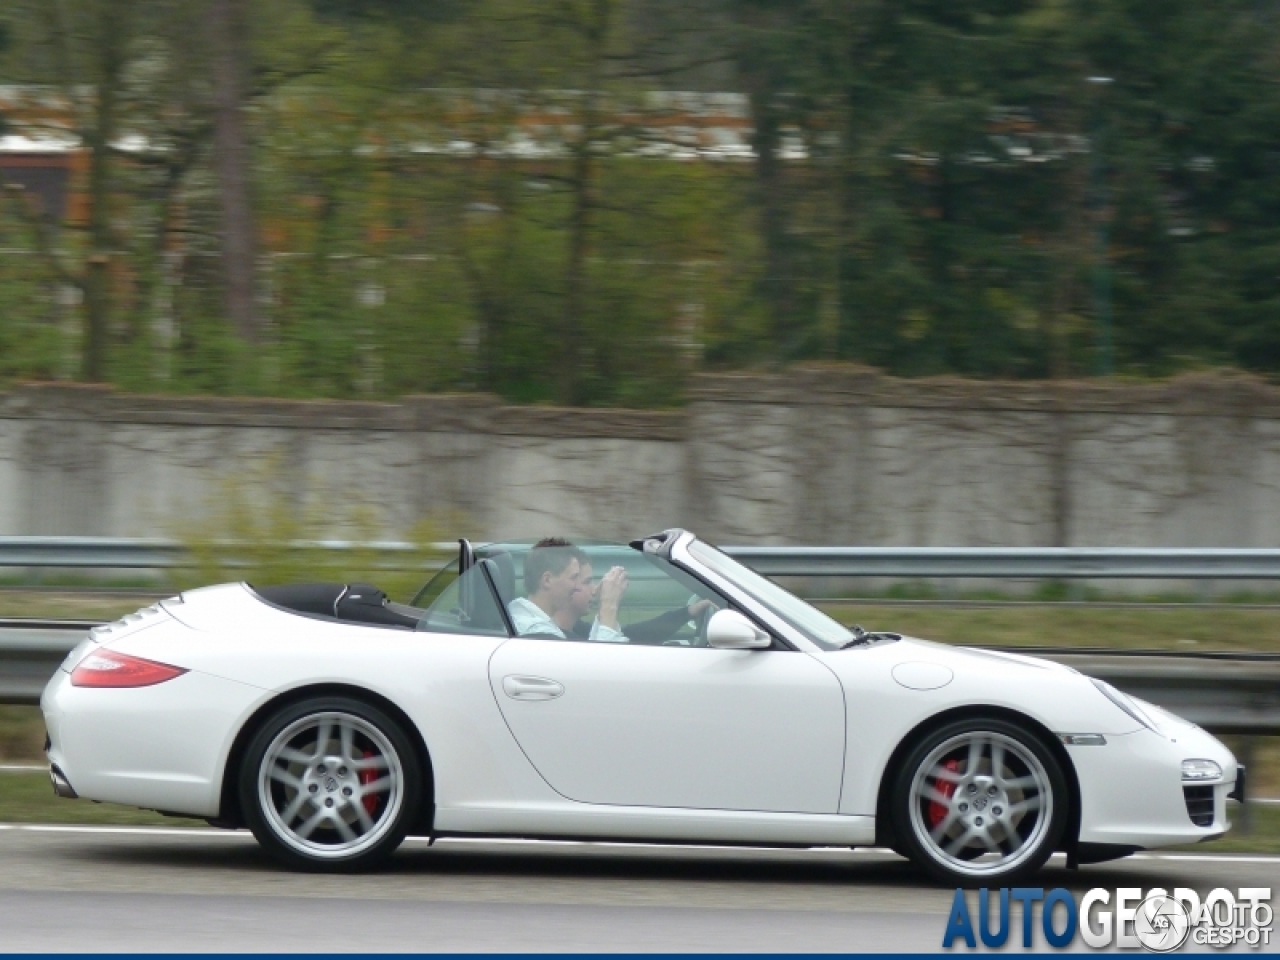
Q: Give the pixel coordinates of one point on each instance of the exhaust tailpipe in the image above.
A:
(61, 785)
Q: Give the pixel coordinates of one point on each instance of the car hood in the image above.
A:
(936, 677)
(973, 658)
(980, 658)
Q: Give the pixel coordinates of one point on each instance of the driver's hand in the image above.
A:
(698, 609)
(612, 586)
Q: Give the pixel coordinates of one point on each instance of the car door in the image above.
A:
(675, 726)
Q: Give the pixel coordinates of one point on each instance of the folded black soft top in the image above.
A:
(348, 602)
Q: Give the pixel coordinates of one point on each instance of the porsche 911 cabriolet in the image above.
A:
(657, 691)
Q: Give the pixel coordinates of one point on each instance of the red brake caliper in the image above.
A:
(369, 800)
(937, 810)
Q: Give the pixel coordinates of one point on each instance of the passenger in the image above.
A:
(552, 572)
(572, 618)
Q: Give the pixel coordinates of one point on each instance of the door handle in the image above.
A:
(531, 688)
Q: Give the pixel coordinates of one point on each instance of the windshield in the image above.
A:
(809, 620)
(583, 590)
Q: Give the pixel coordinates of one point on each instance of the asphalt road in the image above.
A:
(111, 889)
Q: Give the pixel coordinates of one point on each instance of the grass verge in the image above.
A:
(73, 604)
(1263, 835)
(27, 797)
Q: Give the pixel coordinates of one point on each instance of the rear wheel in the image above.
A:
(979, 800)
(330, 783)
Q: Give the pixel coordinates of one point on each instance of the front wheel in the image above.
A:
(330, 783)
(979, 801)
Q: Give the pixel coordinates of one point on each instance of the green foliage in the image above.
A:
(1016, 174)
(949, 189)
(252, 529)
(31, 341)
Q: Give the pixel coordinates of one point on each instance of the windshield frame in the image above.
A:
(798, 616)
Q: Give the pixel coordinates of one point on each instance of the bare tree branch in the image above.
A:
(38, 223)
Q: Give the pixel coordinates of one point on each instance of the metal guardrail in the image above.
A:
(1012, 562)
(123, 554)
(1224, 693)
(30, 651)
(72, 552)
(969, 562)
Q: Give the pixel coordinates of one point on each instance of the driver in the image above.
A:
(572, 618)
(552, 573)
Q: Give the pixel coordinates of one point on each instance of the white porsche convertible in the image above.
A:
(658, 691)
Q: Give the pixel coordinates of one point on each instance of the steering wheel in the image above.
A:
(701, 622)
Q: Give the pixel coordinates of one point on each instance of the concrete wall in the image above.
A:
(824, 455)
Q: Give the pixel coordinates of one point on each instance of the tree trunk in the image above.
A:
(229, 32)
(847, 192)
(571, 380)
(102, 133)
(779, 285)
(572, 385)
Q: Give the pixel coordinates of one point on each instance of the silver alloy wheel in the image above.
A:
(331, 785)
(981, 803)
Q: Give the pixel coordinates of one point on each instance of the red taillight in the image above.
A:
(107, 668)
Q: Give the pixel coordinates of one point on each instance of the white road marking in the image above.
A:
(145, 831)
(1213, 857)
(23, 768)
(621, 845)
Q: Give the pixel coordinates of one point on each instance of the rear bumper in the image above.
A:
(161, 747)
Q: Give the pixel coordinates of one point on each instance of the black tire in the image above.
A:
(964, 822)
(341, 805)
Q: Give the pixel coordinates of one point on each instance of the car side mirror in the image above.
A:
(730, 630)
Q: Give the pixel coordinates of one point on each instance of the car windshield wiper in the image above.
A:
(859, 638)
(865, 638)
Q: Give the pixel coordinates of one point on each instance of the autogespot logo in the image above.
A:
(1129, 917)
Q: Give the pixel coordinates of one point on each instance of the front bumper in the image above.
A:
(1132, 792)
(1238, 792)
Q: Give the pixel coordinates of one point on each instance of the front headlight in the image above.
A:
(1201, 770)
(1125, 703)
